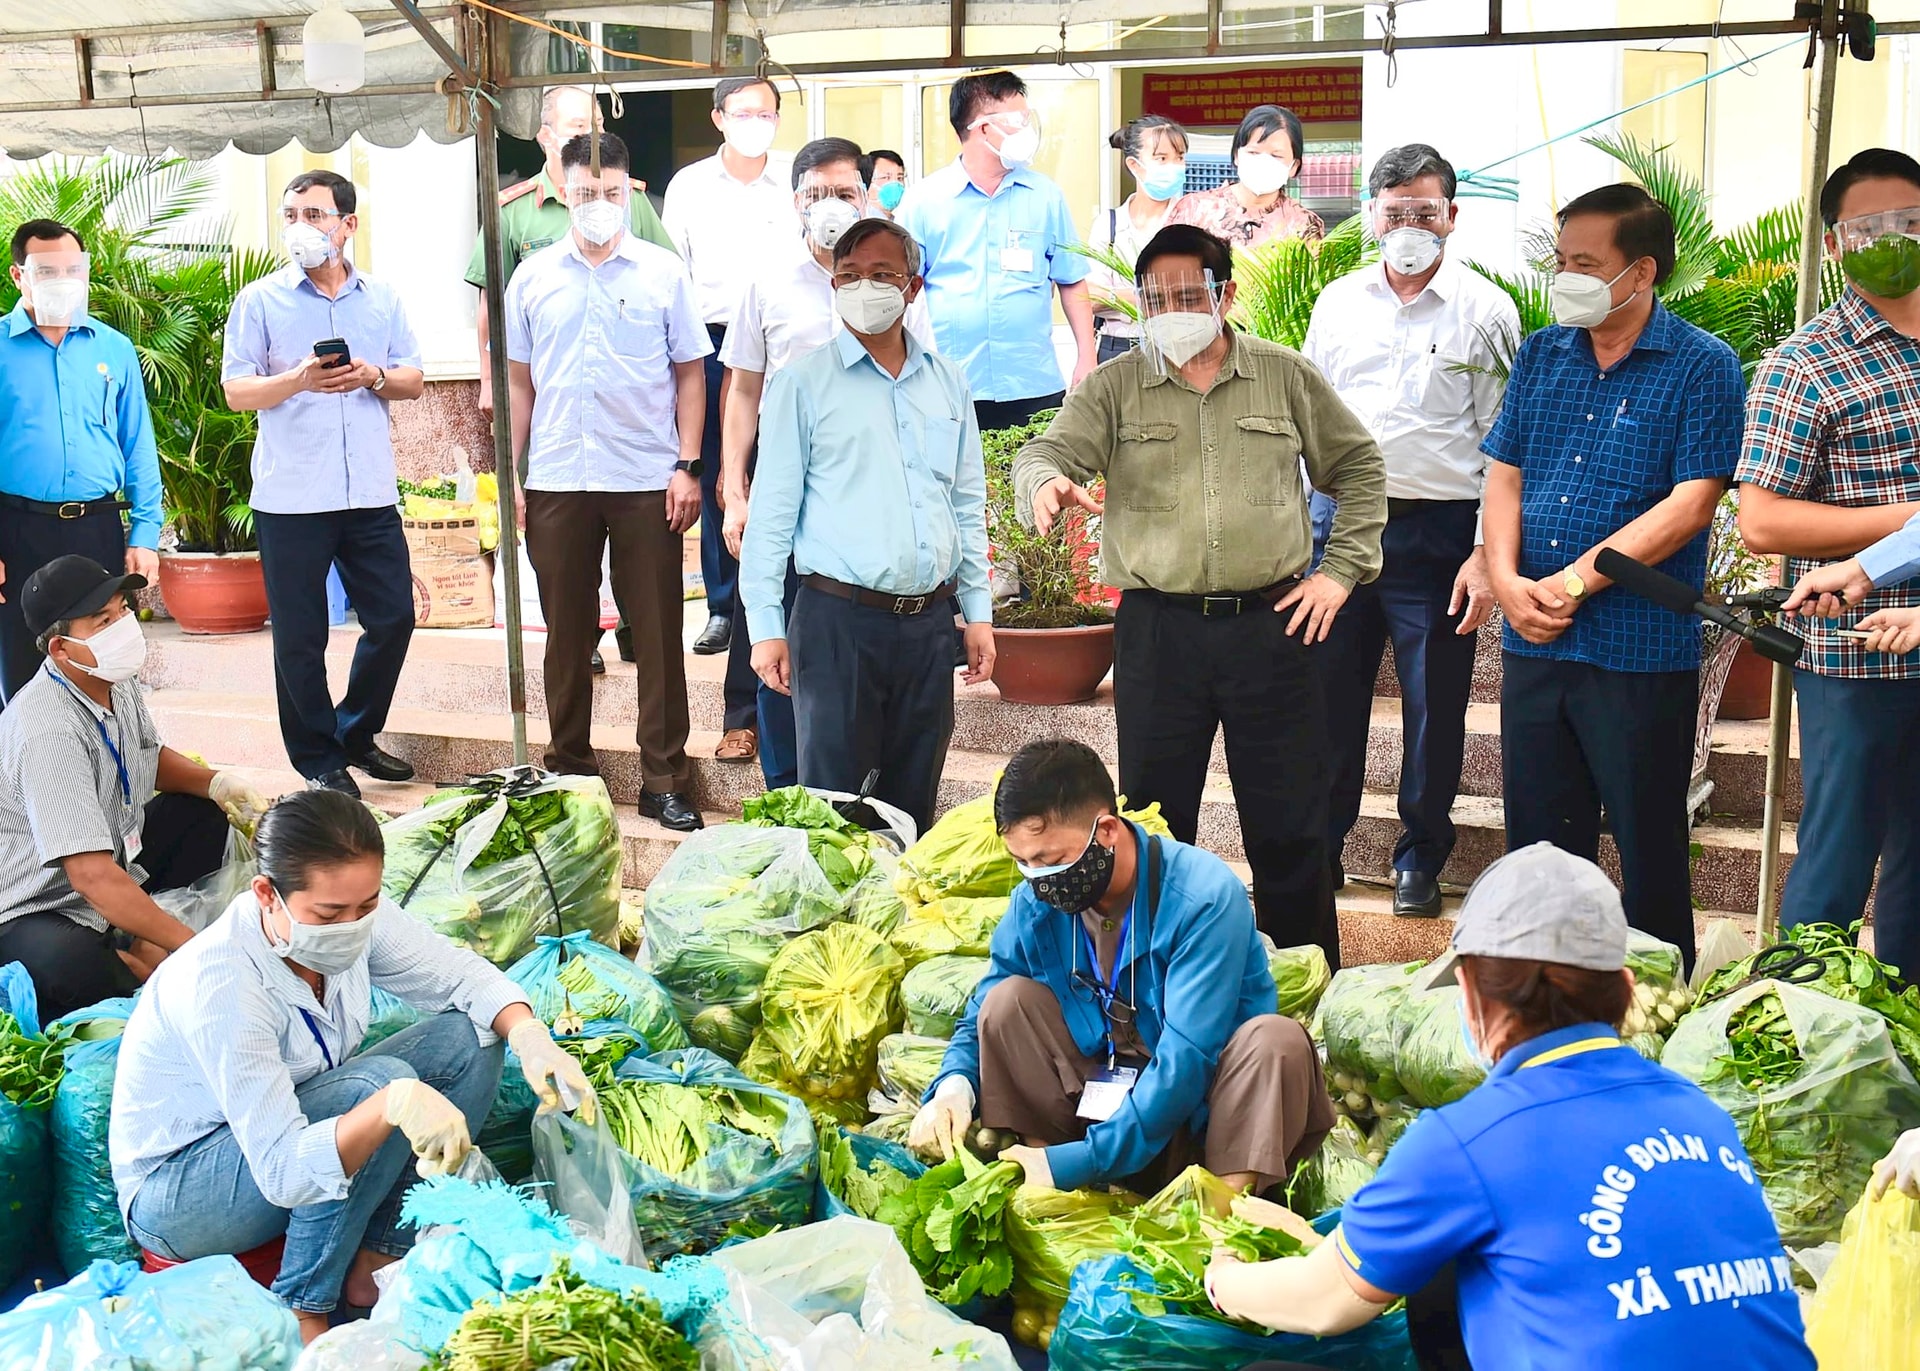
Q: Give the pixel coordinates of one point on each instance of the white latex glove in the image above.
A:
(552, 1071)
(1900, 1168)
(943, 1120)
(431, 1123)
(1033, 1160)
(243, 804)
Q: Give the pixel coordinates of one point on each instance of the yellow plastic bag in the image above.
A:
(1867, 1310)
(962, 855)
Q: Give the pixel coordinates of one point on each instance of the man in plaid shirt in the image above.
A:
(1828, 470)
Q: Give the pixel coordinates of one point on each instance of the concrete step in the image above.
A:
(1738, 770)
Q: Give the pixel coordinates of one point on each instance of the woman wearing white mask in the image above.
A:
(1256, 207)
(1155, 148)
(94, 812)
(244, 1109)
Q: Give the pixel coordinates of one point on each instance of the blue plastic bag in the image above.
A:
(18, 998)
(26, 1173)
(197, 1316)
(87, 1226)
(866, 1150)
(387, 1014)
(507, 1135)
(604, 985)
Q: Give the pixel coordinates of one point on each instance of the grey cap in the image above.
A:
(1544, 905)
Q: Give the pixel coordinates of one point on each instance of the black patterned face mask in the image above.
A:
(1080, 884)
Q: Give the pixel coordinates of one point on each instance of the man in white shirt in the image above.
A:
(604, 349)
(727, 212)
(1410, 346)
(787, 311)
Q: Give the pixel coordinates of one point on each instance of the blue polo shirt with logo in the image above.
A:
(1603, 1214)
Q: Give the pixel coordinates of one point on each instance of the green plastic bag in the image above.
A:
(936, 993)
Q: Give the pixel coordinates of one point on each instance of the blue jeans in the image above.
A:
(1860, 782)
(202, 1201)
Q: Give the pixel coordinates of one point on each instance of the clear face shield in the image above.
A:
(1880, 253)
(1411, 230)
(55, 284)
(597, 204)
(829, 206)
(1181, 315)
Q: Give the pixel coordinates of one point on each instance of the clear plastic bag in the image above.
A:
(1300, 977)
(829, 998)
(87, 1226)
(935, 993)
(1050, 1232)
(199, 904)
(507, 1134)
(1329, 1178)
(507, 857)
(364, 1345)
(909, 1063)
(962, 924)
(1866, 1312)
(1356, 1023)
(1660, 993)
(1430, 1055)
(1721, 945)
(575, 973)
(591, 1186)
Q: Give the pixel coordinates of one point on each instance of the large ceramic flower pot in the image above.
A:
(1051, 666)
(1749, 691)
(208, 592)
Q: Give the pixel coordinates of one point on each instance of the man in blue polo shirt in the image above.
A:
(1620, 429)
(1600, 1210)
(77, 434)
(997, 238)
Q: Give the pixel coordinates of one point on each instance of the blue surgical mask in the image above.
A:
(1162, 180)
(1479, 1058)
(890, 195)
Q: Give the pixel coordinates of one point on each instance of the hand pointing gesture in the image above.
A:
(1058, 494)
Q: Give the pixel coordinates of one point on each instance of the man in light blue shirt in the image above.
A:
(871, 479)
(997, 238)
(323, 483)
(77, 436)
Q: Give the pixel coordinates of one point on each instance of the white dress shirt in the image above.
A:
(220, 1036)
(601, 342)
(1399, 368)
(722, 225)
(787, 311)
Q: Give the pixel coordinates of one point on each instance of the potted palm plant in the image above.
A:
(1053, 639)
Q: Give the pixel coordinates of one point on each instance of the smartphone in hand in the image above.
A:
(332, 353)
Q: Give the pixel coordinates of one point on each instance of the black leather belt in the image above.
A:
(903, 605)
(1226, 604)
(1397, 506)
(64, 509)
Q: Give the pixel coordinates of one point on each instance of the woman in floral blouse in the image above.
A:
(1255, 208)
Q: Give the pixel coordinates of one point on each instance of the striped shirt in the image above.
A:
(224, 1032)
(1835, 417)
(61, 792)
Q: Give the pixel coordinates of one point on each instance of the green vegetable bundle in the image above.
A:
(506, 1135)
(1331, 1176)
(936, 993)
(29, 1065)
(953, 1224)
(828, 999)
(513, 855)
(842, 849)
(1816, 1086)
(1430, 1055)
(1660, 994)
(1847, 973)
(565, 1321)
(1172, 1237)
(30, 1070)
(575, 979)
(1050, 1232)
(862, 1175)
(1300, 976)
(1357, 1027)
(908, 1064)
(959, 924)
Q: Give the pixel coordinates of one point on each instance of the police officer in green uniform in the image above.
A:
(532, 215)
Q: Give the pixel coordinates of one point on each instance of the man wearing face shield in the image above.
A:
(605, 355)
(1827, 473)
(1125, 1028)
(78, 437)
(786, 311)
(96, 815)
(1620, 429)
(1409, 345)
(1199, 435)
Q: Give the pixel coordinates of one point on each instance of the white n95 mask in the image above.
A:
(1410, 251)
(869, 307)
(1581, 301)
(59, 301)
(599, 221)
(828, 220)
(1181, 335)
(306, 246)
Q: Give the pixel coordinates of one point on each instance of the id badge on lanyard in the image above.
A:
(130, 815)
(1105, 1091)
(1016, 255)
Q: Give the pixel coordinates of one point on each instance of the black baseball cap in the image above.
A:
(70, 587)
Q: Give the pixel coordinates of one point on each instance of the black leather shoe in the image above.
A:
(623, 639)
(334, 780)
(382, 765)
(716, 637)
(670, 809)
(1416, 895)
(599, 663)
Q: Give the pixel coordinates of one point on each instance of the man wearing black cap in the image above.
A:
(84, 837)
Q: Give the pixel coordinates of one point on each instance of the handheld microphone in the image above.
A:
(1775, 644)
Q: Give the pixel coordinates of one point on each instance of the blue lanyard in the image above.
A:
(314, 1029)
(1109, 989)
(126, 785)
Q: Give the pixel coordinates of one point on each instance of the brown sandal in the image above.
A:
(737, 745)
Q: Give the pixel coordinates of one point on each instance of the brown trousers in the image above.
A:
(1267, 1106)
(566, 531)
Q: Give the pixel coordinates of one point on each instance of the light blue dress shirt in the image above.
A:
(74, 423)
(1895, 558)
(873, 480)
(317, 453)
(991, 265)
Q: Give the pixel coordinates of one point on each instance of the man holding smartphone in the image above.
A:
(320, 351)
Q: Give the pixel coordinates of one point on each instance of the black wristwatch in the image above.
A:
(696, 468)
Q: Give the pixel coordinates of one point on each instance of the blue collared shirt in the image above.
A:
(74, 422)
(316, 452)
(1895, 558)
(1598, 449)
(871, 479)
(991, 265)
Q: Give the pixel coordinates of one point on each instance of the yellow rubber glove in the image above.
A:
(942, 1121)
(552, 1071)
(234, 794)
(436, 1129)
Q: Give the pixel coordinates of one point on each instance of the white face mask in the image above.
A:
(1181, 335)
(1262, 174)
(119, 651)
(330, 949)
(751, 137)
(59, 301)
(869, 307)
(1018, 148)
(1410, 251)
(599, 221)
(1581, 301)
(306, 246)
(828, 219)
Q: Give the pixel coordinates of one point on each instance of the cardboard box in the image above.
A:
(447, 540)
(452, 592)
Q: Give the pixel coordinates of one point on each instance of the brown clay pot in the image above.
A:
(209, 592)
(1749, 692)
(1051, 666)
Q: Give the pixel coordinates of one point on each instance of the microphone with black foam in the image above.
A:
(1775, 644)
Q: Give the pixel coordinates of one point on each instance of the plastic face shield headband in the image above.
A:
(1180, 317)
(1392, 212)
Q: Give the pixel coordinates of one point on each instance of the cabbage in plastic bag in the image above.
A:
(908, 1064)
(1356, 1025)
(1660, 994)
(829, 998)
(1430, 1053)
(1330, 1177)
(963, 853)
(1865, 1312)
(1301, 976)
(577, 974)
(936, 993)
(957, 924)
(1050, 1232)
(874, 902)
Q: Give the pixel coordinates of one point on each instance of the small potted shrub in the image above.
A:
(1053, 638)
(211, 578)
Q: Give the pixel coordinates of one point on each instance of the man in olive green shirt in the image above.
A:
(1200, 434)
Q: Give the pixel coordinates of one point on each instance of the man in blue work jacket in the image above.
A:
(1126, 1026)
(77, 436)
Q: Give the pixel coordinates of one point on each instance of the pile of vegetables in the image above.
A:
(842, 849)
(961, 855)
(829, 997)
(1430, 1056)
(935, 993)
(962, 924)
(29, 1065)
(1050, 1232)
(30, 1069)
(1172, 1237)
(565, 1321)
(1300, 977)
(1660, 994)
(908, 1064)
(1357, 1028)
(574, 979)
(1330, 1177)
(511, 856)
(1846, 973)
